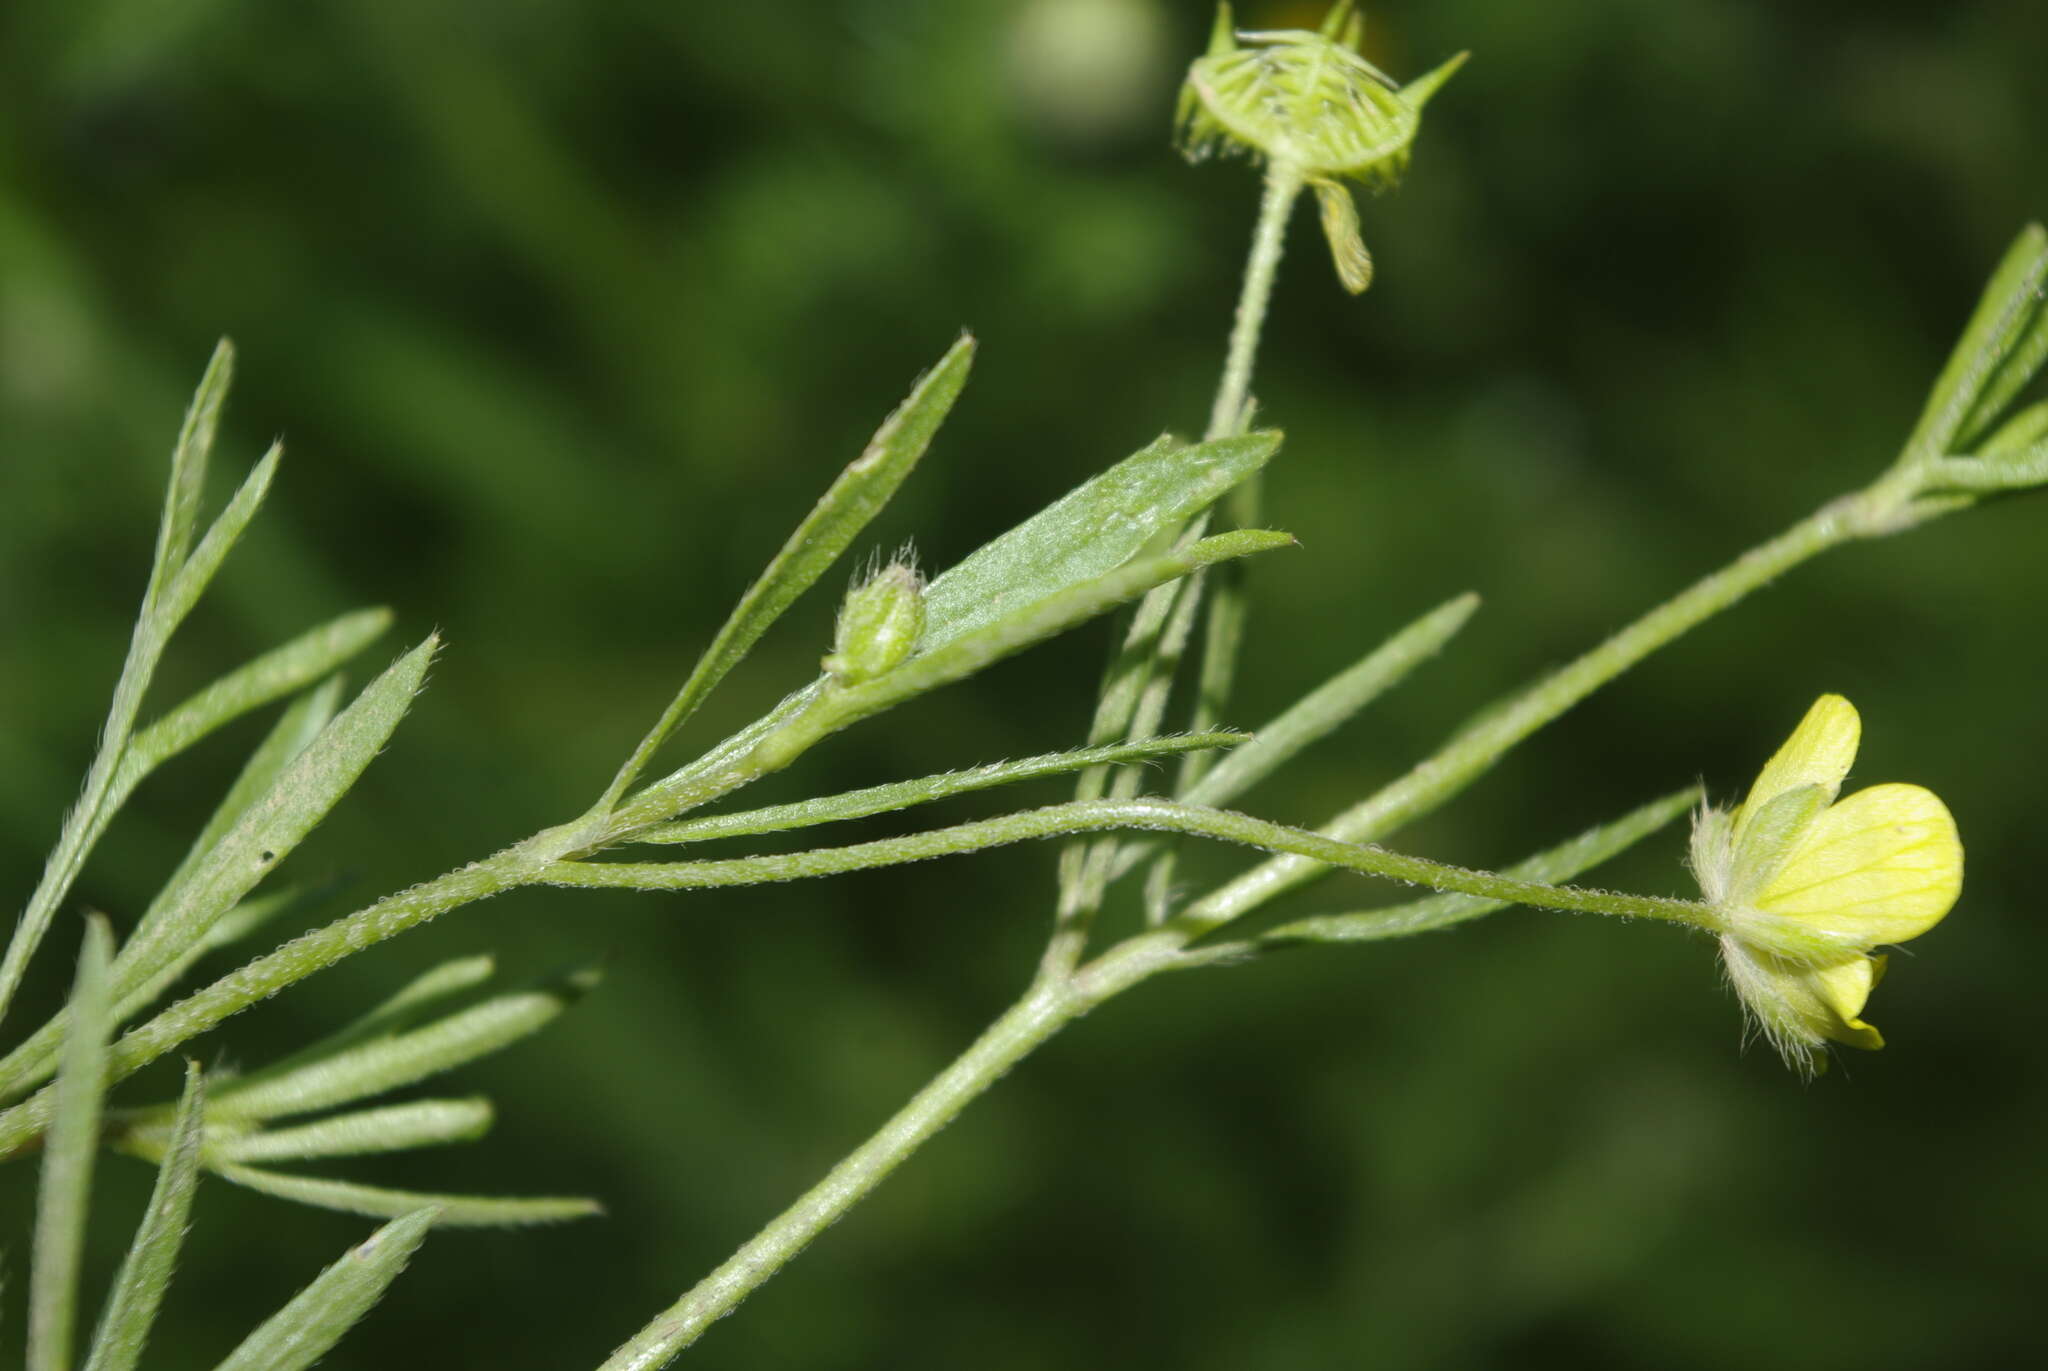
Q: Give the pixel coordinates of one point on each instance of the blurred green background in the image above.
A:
(568, 310)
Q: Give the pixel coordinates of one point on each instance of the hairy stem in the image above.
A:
(1047, 1008)
(1283, 187)
(264, 977)
(1095, 816)
(1477, 747)
(1084, 879)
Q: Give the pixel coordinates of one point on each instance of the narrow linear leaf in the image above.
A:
(304, 1330)
(1560, 863)
(145, 1274)
(205, 562)
(1309, 720)
(1098, 526)
(801, 720)
(2026, 349)
(847, 507)
(1332, 704)
(413, 1003)
(70, 1147)
(394, 1128)
(272, 826)
(36, 1057)
(2001, 347)
(450, 1211)
(883, 799)
(1092, 530)
(89, 818)
(272, 676)
(303, 720)
(389, 1063)
(188, 468)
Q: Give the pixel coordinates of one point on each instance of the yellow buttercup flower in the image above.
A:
(1805, 885)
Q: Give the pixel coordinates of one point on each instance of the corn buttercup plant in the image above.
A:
(1799, 885)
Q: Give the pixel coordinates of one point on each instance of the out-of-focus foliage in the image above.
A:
(568, 311)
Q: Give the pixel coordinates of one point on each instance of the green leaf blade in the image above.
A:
(273, 825)
(2002, 346)
(449, 1211)
(189, 461)
(389, 1063)
(302, 1332)
(35, 1057)
(883, 799)
(845, 509)
(1332, 704)
(70, 1148)
(159, 618)
(965, 654)
(275, 674)
(393, 1128)
(1093, 529)
(412, 1003)
(204, 564)
(145, 1274)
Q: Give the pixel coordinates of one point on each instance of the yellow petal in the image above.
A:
(1818, 753)
(1842, 990)
(1799, 1007)
(1882, 866)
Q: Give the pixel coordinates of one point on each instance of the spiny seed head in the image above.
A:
(1309, 99)
(1309, 102)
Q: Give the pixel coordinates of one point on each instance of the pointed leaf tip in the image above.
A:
(848, 505)
(303, 1331)
(152, 1258)
(70, 1146)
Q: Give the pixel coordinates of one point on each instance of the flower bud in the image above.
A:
(879, 625)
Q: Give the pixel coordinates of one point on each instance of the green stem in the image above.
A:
(529, 863)
(1132, 705)
(1095, 816)
(1471, 752)
(1053, 1002)
(1048, 1008)
(1227, 415)
(296, 960)
(1223, 626)
(1224, 614)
